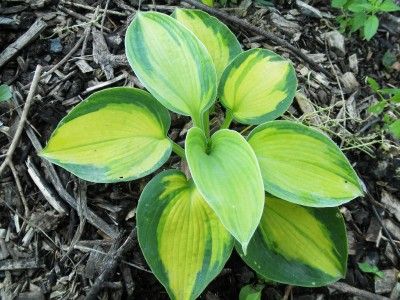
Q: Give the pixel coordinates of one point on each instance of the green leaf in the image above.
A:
(338, 3)
(360, 7)
(298, 245)
(171, 63)
(118, 134)
(301, 165)
(258, 86)
(389, 6)
(373, 84)
(368, 268)
(378, 107)
(251, 292)
(5, 92)
(357, 21)
(227, 174)
(184, 243)
(343, 23)
(394, 128)
(389, 91)
(371, 27)
(220, 42)
(395, 98)
(389, 58)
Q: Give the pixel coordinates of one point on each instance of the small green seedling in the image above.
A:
(272, 195)
(387, 106)
(362, 15)
(5, 93)
(368, 268)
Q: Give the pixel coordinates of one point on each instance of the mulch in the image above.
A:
(63, 238)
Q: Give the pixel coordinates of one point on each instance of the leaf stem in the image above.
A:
(206, 123)
(201, 121)
(228, 119)
(178, 150)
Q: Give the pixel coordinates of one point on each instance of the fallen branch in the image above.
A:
(268, 35)
(24, 116)
(345, 288)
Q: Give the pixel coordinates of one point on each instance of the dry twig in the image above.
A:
(32, 33)
(344, 287)
(24, 115)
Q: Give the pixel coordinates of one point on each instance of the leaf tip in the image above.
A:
(244, 247)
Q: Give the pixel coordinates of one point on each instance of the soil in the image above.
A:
(60, 255)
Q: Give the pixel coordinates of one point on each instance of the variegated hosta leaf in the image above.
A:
(298, 245)
(118, 134)
(171, 63)
(184, 243)
(257, 86)
(302, 165)
(220, 42)
(227, 174)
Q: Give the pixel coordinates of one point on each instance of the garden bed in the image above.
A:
(58, 234)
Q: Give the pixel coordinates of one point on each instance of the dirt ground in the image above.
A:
(59, 233)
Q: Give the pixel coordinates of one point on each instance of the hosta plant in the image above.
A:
(271, 195)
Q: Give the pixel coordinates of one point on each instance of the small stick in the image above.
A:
(82, 17)
(270, 36)
(32, 33)
(19, 188)
(103, 18)
(24, 115)
(66, 57)
(19, 264)
(111, 265)
(387, 233)
(344, 287)
(123, 5)
(88, 7)
(47, 192)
